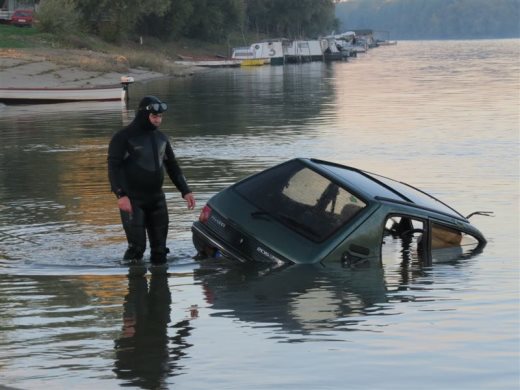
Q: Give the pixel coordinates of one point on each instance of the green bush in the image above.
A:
(58, 16)
(110, 32)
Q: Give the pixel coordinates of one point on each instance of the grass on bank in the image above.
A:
(18, 37)
(88, 52)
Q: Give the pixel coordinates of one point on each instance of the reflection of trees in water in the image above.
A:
(54, 161)
(239, 99)
(145, 354)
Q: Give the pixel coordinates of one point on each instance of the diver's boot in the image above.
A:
(133, 255)
(133, 258)
(158, 256)
(158, 261)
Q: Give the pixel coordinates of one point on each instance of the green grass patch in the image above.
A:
(19, 37)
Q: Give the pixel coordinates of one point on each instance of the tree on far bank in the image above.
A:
(291, 18)
(116, 19)
(58, 16)
(209, 20)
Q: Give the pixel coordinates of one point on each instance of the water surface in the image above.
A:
(440, 115)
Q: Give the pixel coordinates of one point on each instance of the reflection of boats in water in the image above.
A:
(301, 298)
(18, 114)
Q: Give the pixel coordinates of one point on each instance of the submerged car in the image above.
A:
(310, 211)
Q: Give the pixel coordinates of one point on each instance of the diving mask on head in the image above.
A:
(156, 108)
(152, 104)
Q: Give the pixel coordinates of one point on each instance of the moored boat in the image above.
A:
(331, 51)
(260, 53)
(302, 51)
(254, 62)
(386, 43)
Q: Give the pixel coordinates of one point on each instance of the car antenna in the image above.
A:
(484, 213)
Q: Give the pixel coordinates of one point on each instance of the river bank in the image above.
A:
(52, 68)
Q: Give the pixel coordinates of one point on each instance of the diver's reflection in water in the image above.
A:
(144, 356)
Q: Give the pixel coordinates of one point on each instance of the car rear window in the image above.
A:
(301, 199)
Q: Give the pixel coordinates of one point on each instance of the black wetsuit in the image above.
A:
(137, 156)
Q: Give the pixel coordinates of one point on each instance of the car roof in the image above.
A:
(376, 188)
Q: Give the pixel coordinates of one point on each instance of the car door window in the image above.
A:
(403, 235)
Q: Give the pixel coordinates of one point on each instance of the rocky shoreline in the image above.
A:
(21, 68)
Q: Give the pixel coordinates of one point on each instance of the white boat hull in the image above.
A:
(47, 95)
(210, 63)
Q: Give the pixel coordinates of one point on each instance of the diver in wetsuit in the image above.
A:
(137, 157)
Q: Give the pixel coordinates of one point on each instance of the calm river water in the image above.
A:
(443, 116)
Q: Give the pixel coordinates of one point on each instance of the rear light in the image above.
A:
(204, 214)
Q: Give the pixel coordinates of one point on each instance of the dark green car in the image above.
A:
(309, 211)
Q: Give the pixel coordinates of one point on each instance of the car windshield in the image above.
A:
(301, 199)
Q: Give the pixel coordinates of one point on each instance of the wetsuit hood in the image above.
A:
(142, 121)
(145, 108)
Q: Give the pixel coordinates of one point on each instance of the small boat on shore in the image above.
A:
(62, 95)
(208, 62)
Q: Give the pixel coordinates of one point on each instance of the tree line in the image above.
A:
(209, 20)
(433, 19)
